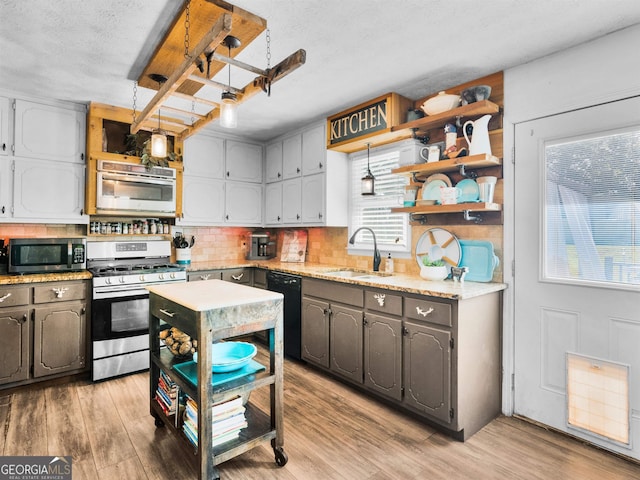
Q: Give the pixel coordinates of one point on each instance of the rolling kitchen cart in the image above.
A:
(210, 311)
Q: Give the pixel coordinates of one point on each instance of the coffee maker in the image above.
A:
(261, 246)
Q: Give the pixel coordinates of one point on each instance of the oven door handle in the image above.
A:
(138, 178)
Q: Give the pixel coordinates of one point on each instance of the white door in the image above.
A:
(577, 273)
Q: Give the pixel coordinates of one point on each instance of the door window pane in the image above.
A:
(592, 214)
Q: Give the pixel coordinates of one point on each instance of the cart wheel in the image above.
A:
(159, 423)
(281, 457)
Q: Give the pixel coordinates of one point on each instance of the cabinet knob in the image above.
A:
(82, 156)
(320, 215)
(297, 216)
(4, 297)
(278, 215)
(4, 147)
(227, 173)
(226, 217)
(298, 170)
(320, 165)
(24, 318)
(279, 175)
(83, 310)
(365, 322)
(3, 209)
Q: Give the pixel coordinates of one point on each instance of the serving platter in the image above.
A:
(439, 244)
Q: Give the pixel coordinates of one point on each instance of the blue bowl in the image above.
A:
(230, 356)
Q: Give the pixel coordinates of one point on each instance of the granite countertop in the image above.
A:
(397, 281)
(9, 279)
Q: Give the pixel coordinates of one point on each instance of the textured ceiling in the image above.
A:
(92, 50)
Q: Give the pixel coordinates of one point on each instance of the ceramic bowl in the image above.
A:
(230, 356)
(433, 273)
(475, 94)
(441, 103)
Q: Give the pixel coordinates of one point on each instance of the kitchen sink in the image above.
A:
(348, 273)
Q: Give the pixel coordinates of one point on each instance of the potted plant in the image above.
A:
(433, 269)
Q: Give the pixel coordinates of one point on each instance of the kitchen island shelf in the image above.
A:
(431, 122)
(166, 362)
(210, 311)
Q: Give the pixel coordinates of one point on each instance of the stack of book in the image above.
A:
(227, 420)
(167, 394)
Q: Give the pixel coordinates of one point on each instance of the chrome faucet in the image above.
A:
(376, 252)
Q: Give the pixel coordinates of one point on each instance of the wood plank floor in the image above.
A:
(331, 432)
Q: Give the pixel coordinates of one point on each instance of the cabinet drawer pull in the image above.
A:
(380, 297)
(424, 313)
(205, 277)
(167, 313)
(59, 291)
(4, 297)
(237, 277)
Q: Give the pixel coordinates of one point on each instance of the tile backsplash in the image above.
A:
(326, 245)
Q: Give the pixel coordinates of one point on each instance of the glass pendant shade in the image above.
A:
(228, 110)
(368, 182)
(158, 144)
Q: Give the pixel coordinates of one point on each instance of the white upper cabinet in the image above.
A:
(313, 195)
(204, 156)
(49, 132)
(49, 191)
(6, 186)
(314, 150)
(291, 198)
(243, 204)
(5, 145)
(292, 157)
(202, 201)
(243, 161)
(273, 160)
(273, 203)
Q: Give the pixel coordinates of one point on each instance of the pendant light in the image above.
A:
(368, 180)
(158, 136)
(229, 102)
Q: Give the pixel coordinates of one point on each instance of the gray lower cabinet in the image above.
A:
(383, 355)
(235, 275)
(427, 370)
(345, 327)
(315, 331)
(436, 357)
(43, 331)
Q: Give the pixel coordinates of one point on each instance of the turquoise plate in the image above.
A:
(469, 191)
(431, 191)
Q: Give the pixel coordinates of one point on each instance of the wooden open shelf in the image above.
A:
(458, 207)
(431, 122)
(421, 171)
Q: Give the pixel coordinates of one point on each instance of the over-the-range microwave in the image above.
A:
(125, 188)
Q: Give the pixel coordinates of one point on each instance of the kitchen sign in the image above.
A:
(347, 130)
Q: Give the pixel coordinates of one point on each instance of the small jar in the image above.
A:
(165, 228)
(125, 228)
(145, 228)
(153, 227)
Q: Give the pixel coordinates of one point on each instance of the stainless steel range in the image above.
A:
(120, 306)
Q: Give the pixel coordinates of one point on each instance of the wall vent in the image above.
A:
(598, 397)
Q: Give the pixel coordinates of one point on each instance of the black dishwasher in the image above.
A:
(291, 287)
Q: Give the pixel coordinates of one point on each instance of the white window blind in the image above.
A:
(374, 211)
(592, 215)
